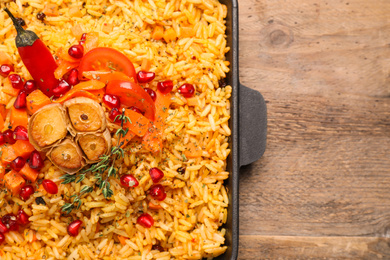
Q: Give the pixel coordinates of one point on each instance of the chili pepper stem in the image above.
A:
(18, 27)
(24, 37)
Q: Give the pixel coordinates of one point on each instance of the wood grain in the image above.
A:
(322, 188)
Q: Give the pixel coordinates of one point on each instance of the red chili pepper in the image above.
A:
(36, 57)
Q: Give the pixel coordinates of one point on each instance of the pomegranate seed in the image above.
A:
(165, 87)
(187, 90)
(6, 69)
(111, 101)
(113, 114)
(10, 221)
(156, 174)
(76, 51)
(16, 81)
(157, 192)
(30, 86)
(2, 139)
(50, 186)
(73, 228)
(61, 88)
(72, 77)
(129, 181)
(2, 238)
(145, 220)
(145, 77)
(22, 218)
(20, 133)
(26, 192)
(83, 38)
(151, 93)
(9, 136)
(35, 161)
(136, 109)
(158, 247)
(3, 228)
(18, 163)
(20, 101)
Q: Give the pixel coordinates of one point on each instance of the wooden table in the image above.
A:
(322, 188)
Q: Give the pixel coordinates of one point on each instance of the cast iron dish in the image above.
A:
(249, 128)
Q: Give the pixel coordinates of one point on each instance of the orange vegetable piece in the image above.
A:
(63, 67)
(138, 123)
(193, 150)
(154, 206)
(4, 58)
(8, 89)
(14, 182)
(122, 240)
(75, 12)
(18, 117)
(64, 55)
(99, 93)
(91, 42)
(107, 27)
(145, 65)
(76, 93)
(186, 32)
(158, 33)
(76, 30)
(28, 173)
(50, 10)
(106, 76)
(152, 140)
(2, 172)
(23, 148)
(7, 154)
(170, 35)
(2, 121)
(126, 139)
(36, 100)
(90, 85)
(193, 101)
(3, 111)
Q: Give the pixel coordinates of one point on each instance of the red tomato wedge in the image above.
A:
(131, 94)
(106, 59)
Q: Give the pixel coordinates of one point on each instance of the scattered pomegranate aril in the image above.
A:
(61, 88)
(156, 174)
(20, 101)
(2, 139)
(50, 186)
(187, 90)
(10, 221)
(111, 101)
(136, 109)
(145, 76)
(6, 69)
(30, 86)
(129, 181)
(35, 161)
(158, 247)
(83, 38)
(76, 51)
(9, 136)
(2, 238)
(165, 87)
(157, 192)
(22, 218)
(3, 228)
(26, 192)
(18, 163)
(72, 77)
(74, 227)
(151, 93)
(113, 114)
(20, 133)
(16, 81)
(145, 220)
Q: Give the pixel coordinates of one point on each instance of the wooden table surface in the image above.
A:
(322, 188)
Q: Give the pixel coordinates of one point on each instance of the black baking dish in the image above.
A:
(249, 129)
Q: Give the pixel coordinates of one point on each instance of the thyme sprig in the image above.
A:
(102, 170)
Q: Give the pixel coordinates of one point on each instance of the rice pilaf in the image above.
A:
(188, 223)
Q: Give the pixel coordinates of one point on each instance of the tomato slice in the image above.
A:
(131, 94)
(106, 59)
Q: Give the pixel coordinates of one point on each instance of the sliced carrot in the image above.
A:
(14, 182)
(63, 67)
(186, 32)
(50, 10)
(99, 93)
(193, 150)
(3, 111)
(107, 27)
(154, 206)
(36, 100)
(41, 189)
(23, 148)
(145, 65)
(90, 85)
(2, 172)
(75, 12)
(18, 117)
(8, 89)
(193, 101)
(126, 139)
(7, 154)
(2, 121)
(122, 240)
(152, 140)
(28, 173)
(170, 35)
(158, 33)
(76, 30)
(64, 55)
(138, 123)
(4, 58)
(76, 93)
(106, 76)
(91, 42)
(162, 103)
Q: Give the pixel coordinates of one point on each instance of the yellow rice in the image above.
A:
(189, 225)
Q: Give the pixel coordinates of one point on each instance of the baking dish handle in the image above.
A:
(252, 115)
